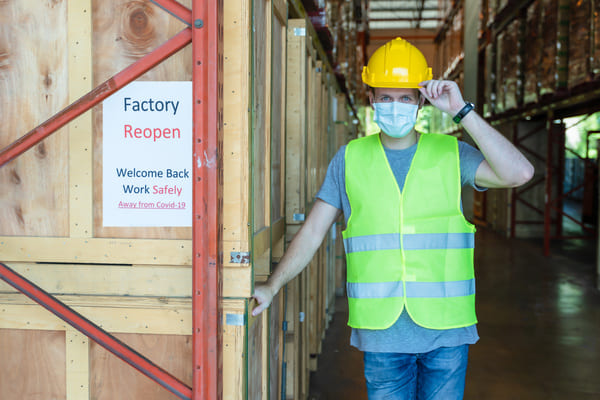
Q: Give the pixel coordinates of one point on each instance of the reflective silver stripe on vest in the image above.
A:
(381, 290)
(415, 241)
(388, 241)
(376, 290)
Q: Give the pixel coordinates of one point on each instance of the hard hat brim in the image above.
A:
(396, 85)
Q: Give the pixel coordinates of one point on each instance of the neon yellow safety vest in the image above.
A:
(414, 248)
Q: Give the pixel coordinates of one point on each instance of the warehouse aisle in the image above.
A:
(539, 322)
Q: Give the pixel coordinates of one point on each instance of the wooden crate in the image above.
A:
(300, 54)
(133, 281)
(311, 142)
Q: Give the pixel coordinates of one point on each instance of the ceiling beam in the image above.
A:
(392, 9)
(402, 19)
(421, 6)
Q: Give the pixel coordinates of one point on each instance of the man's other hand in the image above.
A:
(263, 296)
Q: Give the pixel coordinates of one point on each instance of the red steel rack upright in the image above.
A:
(205, 33)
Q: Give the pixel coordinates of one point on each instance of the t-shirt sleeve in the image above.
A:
(331, 189)
(470, 159)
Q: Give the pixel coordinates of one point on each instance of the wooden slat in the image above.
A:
(106, 280)
(109, 251)
(77, 354)
(295, 120)
(80, 131)
(236, 125)
(113, 313)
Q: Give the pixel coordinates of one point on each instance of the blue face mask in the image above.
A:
(395, 119)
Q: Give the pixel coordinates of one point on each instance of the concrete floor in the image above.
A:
(539, 323)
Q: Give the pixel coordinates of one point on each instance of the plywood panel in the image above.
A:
(123, 32)
(112, 378)
(33, 365)
(33, 87)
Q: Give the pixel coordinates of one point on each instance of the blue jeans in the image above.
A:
(437, 375)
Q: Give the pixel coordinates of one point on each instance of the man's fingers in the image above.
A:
(425, 93)
(259, 309)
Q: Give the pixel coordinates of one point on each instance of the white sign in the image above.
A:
(147, 155)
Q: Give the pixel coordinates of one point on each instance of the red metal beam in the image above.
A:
(100, 336)
(528, 204)
(96, 96)
(207, 38)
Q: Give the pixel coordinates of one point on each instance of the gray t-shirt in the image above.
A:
(405, 336)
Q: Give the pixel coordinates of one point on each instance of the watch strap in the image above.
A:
(464, 111)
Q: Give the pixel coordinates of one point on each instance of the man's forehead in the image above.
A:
(395, 91)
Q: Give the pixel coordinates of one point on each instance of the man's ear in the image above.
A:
(421, 100)
(371, 98)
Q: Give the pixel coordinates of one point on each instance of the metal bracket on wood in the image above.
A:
(239, 257)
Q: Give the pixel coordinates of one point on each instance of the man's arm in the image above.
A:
(504, 166)
(302, 249)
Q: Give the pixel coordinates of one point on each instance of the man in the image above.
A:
(409, 249)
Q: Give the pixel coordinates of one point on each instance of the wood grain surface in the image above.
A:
(33, 87)
(33, 365)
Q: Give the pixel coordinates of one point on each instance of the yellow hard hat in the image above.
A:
(396, 64)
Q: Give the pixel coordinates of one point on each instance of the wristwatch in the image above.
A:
(464, 111)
